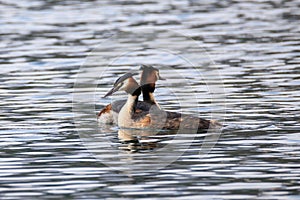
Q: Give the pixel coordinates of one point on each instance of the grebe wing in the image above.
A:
(117, 105)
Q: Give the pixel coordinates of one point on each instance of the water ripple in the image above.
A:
(255, 46)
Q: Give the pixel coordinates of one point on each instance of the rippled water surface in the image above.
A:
(248, 50)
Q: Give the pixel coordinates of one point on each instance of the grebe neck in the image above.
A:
(127, 111)
(131, 104)
(148, 90)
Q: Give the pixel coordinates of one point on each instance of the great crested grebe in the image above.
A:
(155, 118)
(149, 76)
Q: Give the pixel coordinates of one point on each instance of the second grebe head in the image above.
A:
(149, 75)
(126, 83)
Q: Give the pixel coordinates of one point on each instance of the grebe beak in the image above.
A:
(161, 78)
(113, 90)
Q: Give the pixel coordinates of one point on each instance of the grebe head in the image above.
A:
(149, 75)
(126, 83)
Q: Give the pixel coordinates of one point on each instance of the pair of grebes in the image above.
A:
(132, 113)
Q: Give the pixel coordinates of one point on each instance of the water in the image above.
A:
(253, 45)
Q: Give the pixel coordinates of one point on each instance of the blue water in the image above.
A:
(234, 61)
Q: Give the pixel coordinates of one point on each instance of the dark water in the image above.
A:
(247, 49)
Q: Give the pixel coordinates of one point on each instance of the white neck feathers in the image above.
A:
(125, 115)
